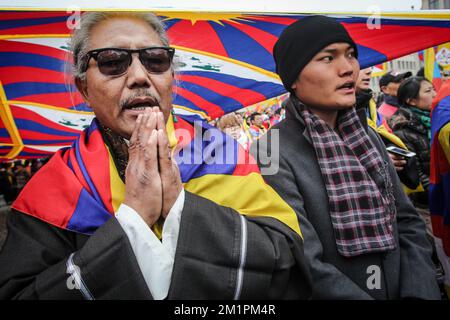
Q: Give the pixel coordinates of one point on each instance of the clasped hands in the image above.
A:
(152, 177)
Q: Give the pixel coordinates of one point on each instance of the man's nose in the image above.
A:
(137, 75)
(345, 66)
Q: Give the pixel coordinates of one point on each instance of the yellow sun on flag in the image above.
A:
(204, 16)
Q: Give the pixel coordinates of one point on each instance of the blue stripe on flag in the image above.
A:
(25, 124)
(21, 59)
(88, 215)
(22, 89)
(242, 47)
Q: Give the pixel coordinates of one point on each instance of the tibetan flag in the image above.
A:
(224, 63)
(440, 167)
(379, 70)
(79, 189)
(436, 58)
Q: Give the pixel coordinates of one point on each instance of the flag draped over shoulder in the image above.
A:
(440, 167)
(80, 189)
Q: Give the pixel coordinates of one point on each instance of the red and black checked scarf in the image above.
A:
(360, 190)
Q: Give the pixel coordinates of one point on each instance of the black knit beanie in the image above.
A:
(301, 41)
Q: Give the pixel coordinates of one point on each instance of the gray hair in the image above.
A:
(79, 42)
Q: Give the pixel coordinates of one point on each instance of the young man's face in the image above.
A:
(328, 81)
(111, 97)
(363, 82)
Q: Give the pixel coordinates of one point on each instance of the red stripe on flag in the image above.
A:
(13, 15)
(57, 173)
(5, 140)
(185, 34)
(395, 41)
(95, 156)
(262, 37)
(30, 74)
(439, 163)
(442, 231)
(246, 164)
(244, 96)
(65, 100)
(276, 20)
(184, 133)
(211, 109)
(76, 168)
(17, 46)
(51, 28)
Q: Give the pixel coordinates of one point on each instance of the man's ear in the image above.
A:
(294, 85)
(82, 88)
(383, 89)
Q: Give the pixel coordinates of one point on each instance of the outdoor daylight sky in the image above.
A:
(293, 6)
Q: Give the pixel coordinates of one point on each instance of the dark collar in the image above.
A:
(118, 148)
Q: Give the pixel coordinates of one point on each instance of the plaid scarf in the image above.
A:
(360, 191)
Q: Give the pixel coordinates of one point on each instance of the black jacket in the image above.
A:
(408, 127)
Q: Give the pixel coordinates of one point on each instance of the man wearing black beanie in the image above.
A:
(363, 238)
(296, 47)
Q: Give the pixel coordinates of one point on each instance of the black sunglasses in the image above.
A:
(115, 61)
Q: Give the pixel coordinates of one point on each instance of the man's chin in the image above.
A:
(346, 104)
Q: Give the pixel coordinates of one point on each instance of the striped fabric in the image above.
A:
(225, 64)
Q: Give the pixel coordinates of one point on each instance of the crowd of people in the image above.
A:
(15, 175)
(248, 126)
(344, 216)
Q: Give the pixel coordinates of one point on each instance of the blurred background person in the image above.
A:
(6, 183)
(406, 168)
(389, 84)
(412, 124)
(231, 125)
(21, 175)
(256, 125)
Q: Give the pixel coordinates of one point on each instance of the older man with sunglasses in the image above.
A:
(109, 217)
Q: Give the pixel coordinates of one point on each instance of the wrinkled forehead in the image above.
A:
(123, 32)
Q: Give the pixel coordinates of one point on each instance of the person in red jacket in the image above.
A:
(389, 84)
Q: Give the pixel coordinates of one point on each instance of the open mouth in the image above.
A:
(347, 86)
(141, 104)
